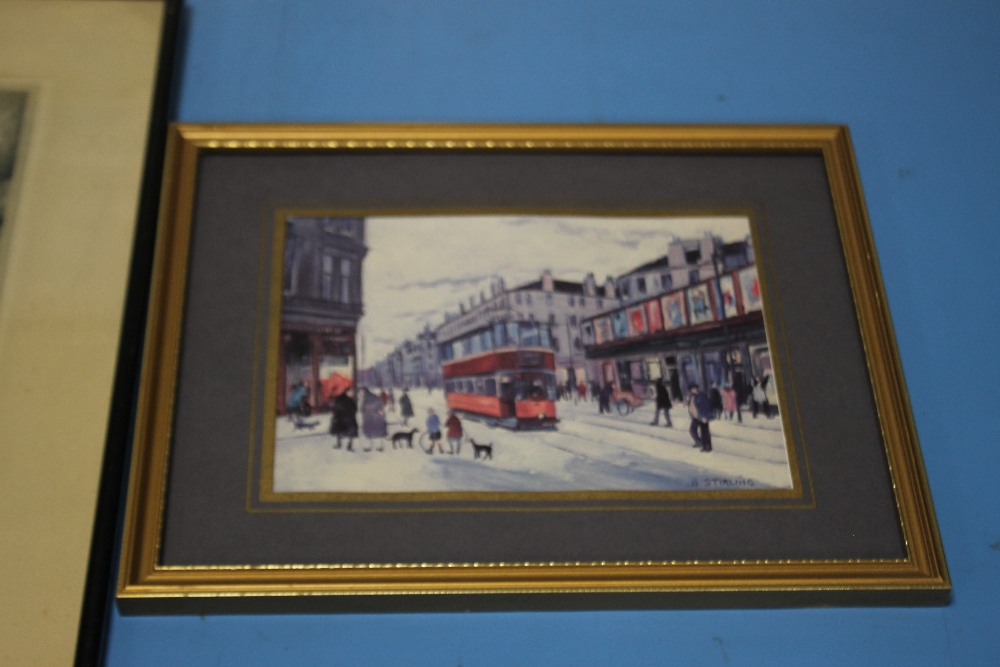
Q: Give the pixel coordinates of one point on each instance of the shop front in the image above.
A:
(711, 333)
(316, 366)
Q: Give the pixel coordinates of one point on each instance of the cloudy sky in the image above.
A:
(419, 268)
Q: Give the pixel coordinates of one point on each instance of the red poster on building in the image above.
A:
(653, 316)
(636, 321)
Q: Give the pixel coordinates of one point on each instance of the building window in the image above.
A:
(583, 302)
(326, 280)
(640, 285)
(572, 301)
(572, 320)
(499, 334)
(513, 334)
(552, 318)
(693, 256)
(667, 281)
(577, 344)
(624, 289)
(347, 227)
(345, 281)
(527, 299)
(530, 336)
(517, 298)
(600, 303)
(693, 277)
(290, 279)
(548, 298)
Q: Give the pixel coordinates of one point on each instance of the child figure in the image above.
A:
(433, 424)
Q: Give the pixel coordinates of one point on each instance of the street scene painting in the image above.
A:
(523, 353)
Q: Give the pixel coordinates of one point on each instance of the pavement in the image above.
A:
(587, 452)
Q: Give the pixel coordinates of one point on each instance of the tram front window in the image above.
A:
(536, 387)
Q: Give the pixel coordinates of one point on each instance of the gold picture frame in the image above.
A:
(919, 575)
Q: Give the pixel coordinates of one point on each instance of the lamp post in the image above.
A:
(716, 261)
(571, 371)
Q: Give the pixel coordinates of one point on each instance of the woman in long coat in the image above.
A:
(344, 421)
(728, 401)
(405, 407)
(662, 403)
(373, 419)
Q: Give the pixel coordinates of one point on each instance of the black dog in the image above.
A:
(403, 436)
(305, 425)
(486, 450)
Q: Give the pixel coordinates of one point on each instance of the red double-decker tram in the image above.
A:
(510, 387)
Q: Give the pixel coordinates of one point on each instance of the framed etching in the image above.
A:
(577, 361)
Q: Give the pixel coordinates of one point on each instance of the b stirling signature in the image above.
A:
(722, 483)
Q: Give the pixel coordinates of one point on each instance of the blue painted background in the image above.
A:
(919, 85)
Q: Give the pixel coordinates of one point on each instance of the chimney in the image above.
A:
(609, 287)
(589, 285)
(548, 284)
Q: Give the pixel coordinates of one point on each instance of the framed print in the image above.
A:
(78, 84)
(520, 365)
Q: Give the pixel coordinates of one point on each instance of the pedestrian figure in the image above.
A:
(344, 420)
(297, 402)
(595, 390)
(758, 398)
(662, 403)
(385, 400)
(701, 412)
(604, 403)
(581, 390)
(392, 400)
(454, 433)
(405, 407)
(715, 400)
(373, 420)
(728, 401)
(433, 424)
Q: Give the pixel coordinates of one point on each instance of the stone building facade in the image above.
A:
(321, 306)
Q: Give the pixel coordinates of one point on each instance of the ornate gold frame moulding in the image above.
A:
(922, 572)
